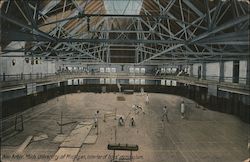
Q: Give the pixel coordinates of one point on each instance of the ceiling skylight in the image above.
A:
(123, 7)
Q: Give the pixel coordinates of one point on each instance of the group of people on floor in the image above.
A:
(121, 120)
(165, 109)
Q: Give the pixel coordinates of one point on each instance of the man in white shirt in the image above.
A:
(119, 87)
(121, 121)
(147, 99)
(182, 109)
(142, 91)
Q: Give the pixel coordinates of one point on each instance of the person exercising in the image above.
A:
(182, 110)
(147, 99)
(132, 122)
(165, 113)
(96, 118)
(121, 121)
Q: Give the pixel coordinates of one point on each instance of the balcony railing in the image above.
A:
(20, 77)
(12, 80)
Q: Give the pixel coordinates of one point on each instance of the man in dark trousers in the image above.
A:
(132, 122)
(165, 113)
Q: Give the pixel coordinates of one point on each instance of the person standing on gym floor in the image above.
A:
(182, 110)
(96, 116)
(165, 113)
(147, 99)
